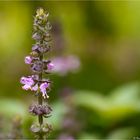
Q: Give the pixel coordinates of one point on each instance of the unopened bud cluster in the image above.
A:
(43, 110)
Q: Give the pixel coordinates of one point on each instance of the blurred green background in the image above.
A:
(101, 100)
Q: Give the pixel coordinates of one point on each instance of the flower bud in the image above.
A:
(28, 59)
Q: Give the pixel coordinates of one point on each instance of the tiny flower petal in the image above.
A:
(35, 88)
(28, 60)
(50, 66)
(43, 88)
(27, 81)
(26, 87)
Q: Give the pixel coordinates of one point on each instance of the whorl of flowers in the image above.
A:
(39, 66)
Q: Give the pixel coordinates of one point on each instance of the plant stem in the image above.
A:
(40, 102)
(40, 118)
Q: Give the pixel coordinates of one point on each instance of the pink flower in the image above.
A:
(43, 88)
(27, 81)
(28, 60)
(66, 64)
(35, 88)
(50, 66)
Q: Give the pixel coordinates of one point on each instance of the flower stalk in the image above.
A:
(39, 85)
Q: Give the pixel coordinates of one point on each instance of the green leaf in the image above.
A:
(121, 103)
(122, 133)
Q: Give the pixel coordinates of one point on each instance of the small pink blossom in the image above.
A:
(26, 87)
(43, 88)
(28, 60)
(66, 64)
(27, 81)
(50, 66)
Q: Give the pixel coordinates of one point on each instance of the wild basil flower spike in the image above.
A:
(37, 83)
